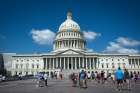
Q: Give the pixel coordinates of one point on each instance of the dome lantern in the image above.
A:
(69, 15)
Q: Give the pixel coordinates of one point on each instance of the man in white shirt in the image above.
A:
(89, 75)
(46, 79)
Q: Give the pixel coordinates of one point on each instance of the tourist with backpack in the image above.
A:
(119, 78)
(127, 79)
(82, 79)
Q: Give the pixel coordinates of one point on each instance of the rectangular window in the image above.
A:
(21, 66)
(102, 65)
(129, 61)
(106, 65)
(136, 60)
(16, 66)
(37, 66)
(32, 65)
(113, 65)
(133, 61)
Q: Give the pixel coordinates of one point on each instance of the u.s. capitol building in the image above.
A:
(70, 55)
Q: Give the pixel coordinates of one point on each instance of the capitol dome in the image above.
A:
(69, 36)
(69, 24)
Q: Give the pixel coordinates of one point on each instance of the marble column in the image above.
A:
(90, 63)
(71, 43)
(49, 63)
(83, 62)
(68, 63)
(60, 63)
(64, 63)
(138, 63)
(75, 62)
(79, 63)
(74, 44)
(53, 63)
(71, 63)
(86, 63)
(56, 62)
(46, 63)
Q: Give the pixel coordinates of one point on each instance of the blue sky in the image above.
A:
(114, 25)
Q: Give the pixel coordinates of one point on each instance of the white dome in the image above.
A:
(69, 24)
(69, 36)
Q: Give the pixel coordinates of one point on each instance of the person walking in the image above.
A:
(105, 77)
(39, 79)
(82, 78)
(89, 75)
(119, 78)
(61, 75)
(138, 75)
(102, 77)
(98, 77)
(127, 79)
(46, 79)
(92, 75)
(135, 77)
(74, 78)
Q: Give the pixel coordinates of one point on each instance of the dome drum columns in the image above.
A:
(74, 43)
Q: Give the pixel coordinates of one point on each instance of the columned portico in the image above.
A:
(69, 63)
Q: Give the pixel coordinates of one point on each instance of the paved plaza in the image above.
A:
(60, 86)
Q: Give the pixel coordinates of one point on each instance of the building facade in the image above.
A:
(70, 55)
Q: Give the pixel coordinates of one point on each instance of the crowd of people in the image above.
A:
(120, 78)
(42, 77)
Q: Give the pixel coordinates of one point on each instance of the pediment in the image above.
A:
(70, 52)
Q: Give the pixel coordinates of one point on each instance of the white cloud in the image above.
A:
(123, 45)
(90, 35)
(128, 50)
(128, 42)
(43, 37)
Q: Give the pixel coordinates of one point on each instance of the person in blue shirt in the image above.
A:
(82, 78)
(119, 78)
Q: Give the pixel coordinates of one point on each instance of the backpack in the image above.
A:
(83, 75)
